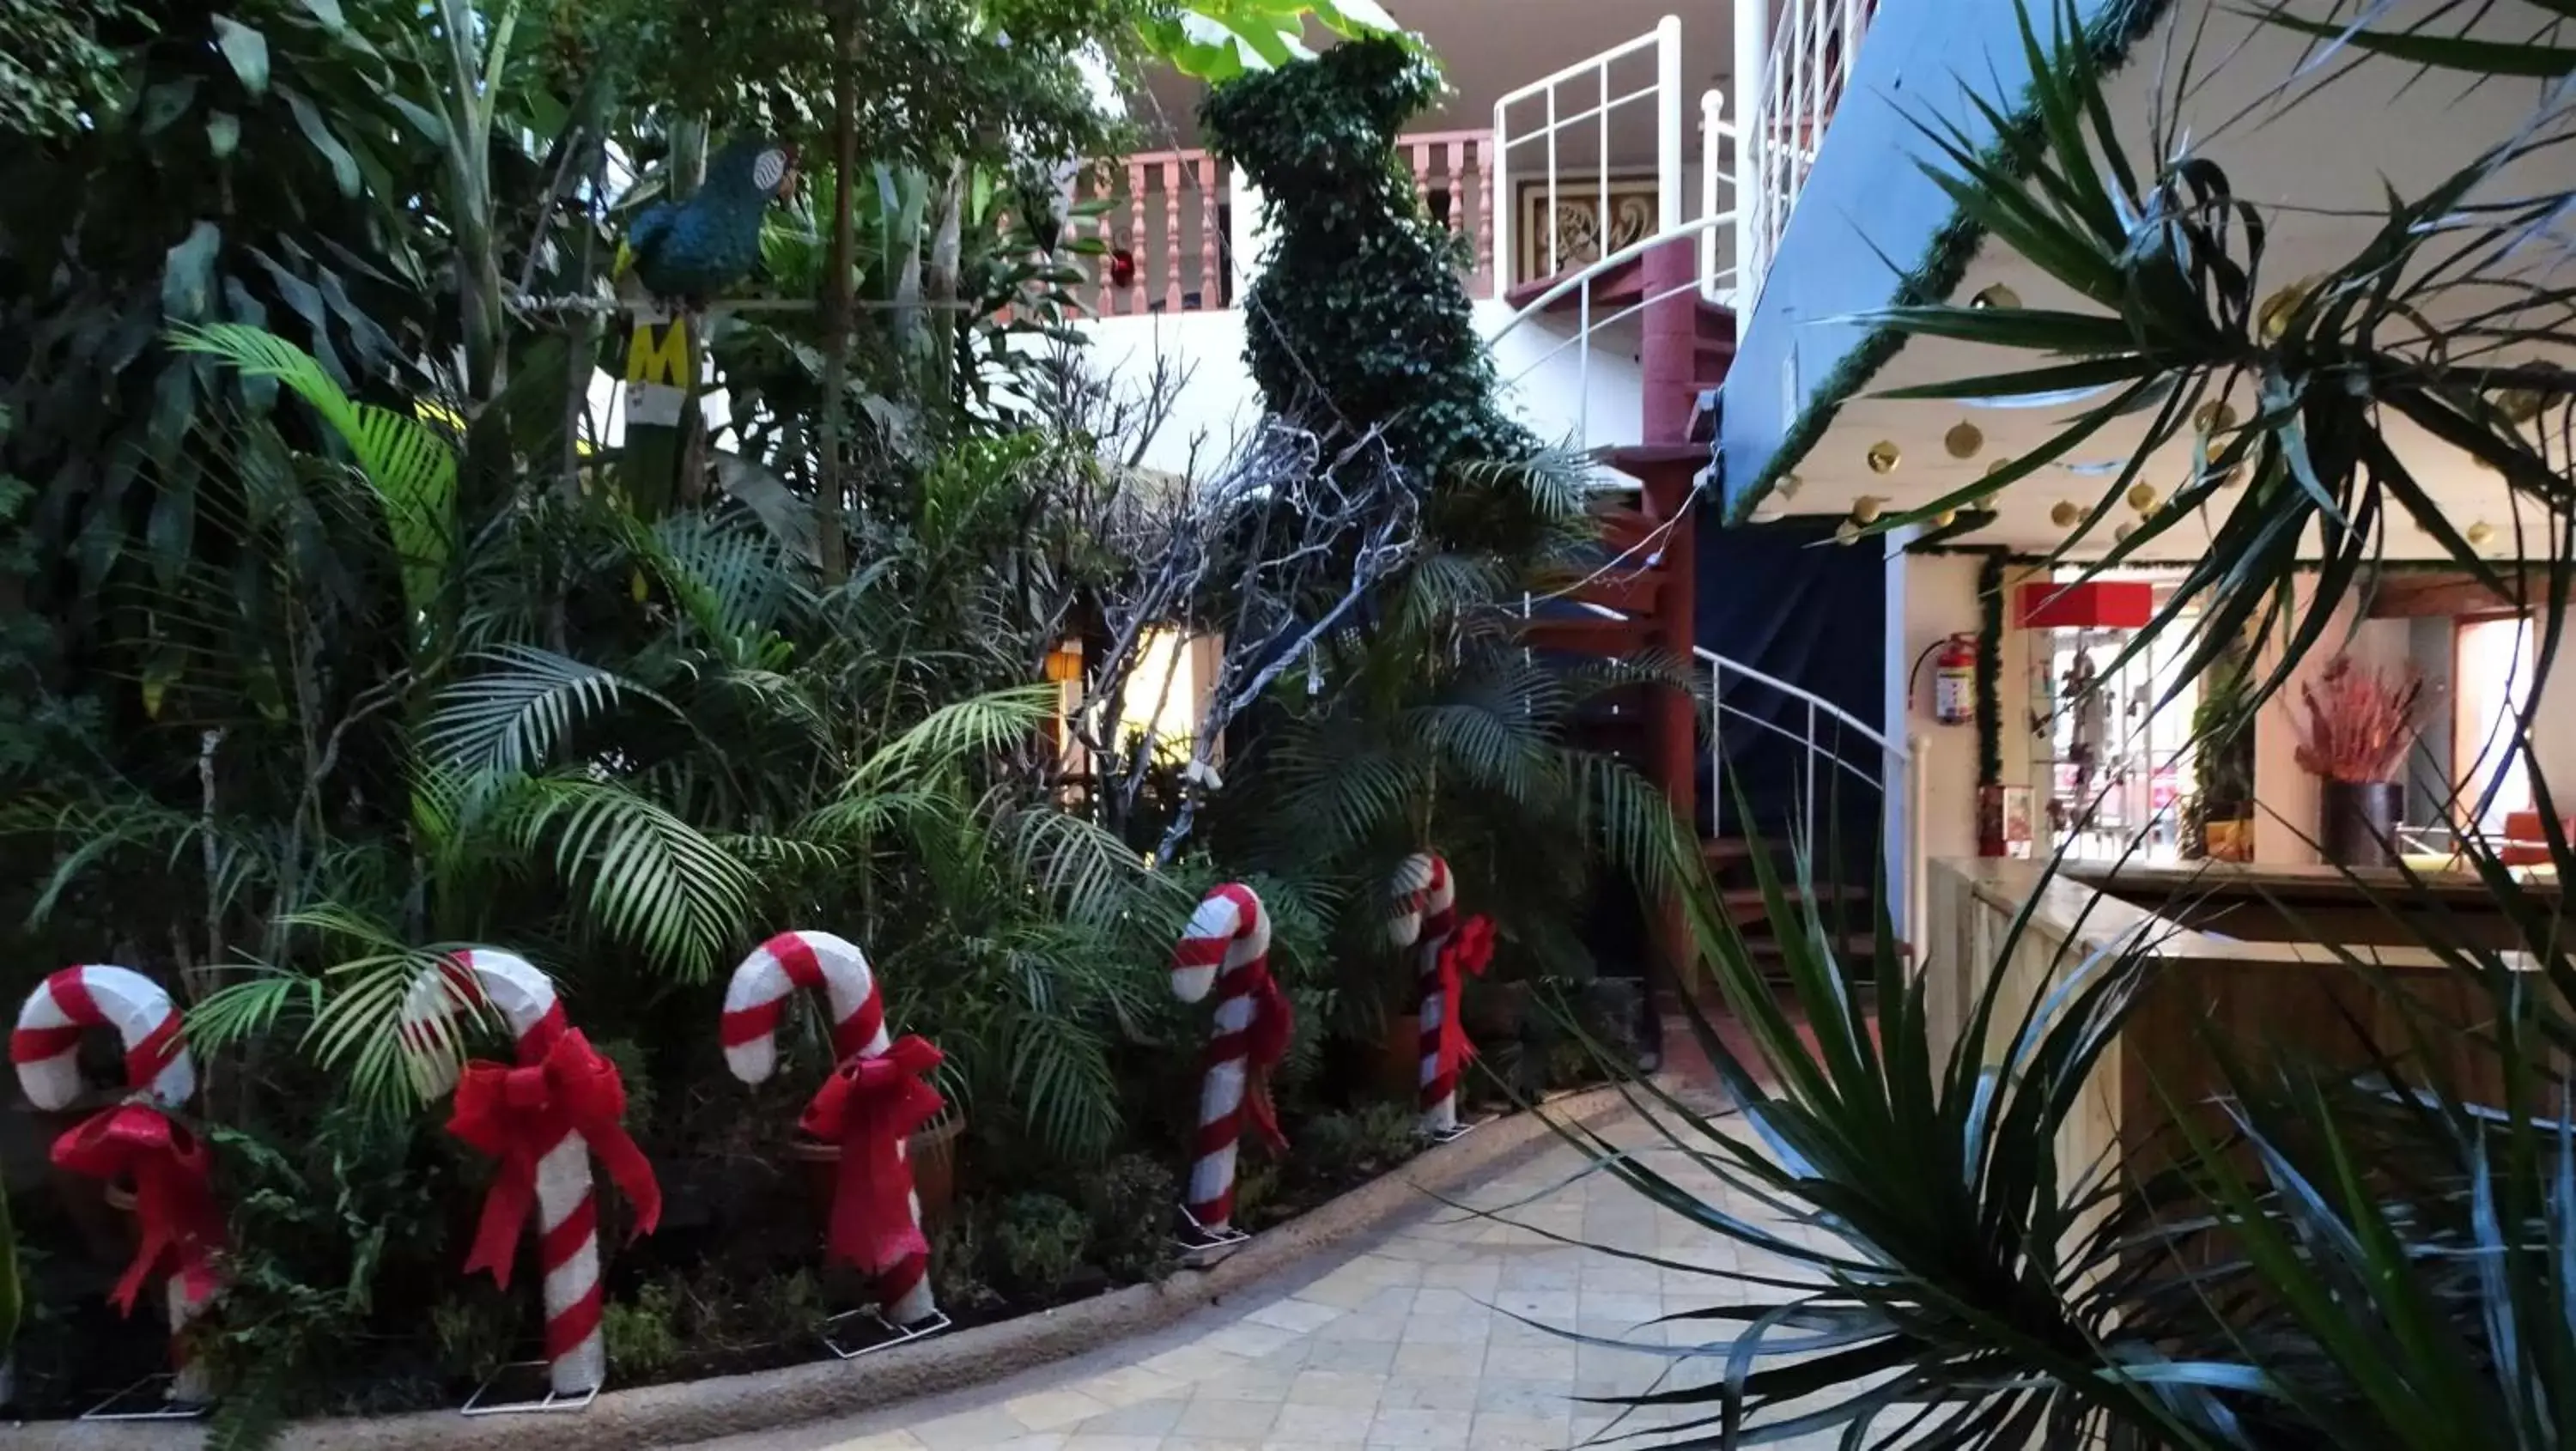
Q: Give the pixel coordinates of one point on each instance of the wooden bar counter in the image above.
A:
(2259, 956)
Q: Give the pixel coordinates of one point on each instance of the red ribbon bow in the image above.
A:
(174, 1197)
(1265, 1042)
(518, 1115)
(870, 1106)
(1468, 952)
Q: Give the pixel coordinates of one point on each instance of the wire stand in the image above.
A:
(552, 1401)
(891, 1334)
(1201, 1246)
(137, 1402)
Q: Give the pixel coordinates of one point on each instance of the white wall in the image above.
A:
(1940, 601)
(1548, 384)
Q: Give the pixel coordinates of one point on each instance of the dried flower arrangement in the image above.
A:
(2360, 723)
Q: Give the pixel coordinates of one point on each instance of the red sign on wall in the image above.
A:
(2096, 604)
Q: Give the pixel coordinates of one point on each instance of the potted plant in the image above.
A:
(2360, 724)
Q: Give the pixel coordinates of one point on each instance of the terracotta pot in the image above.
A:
(1496, 1011)
(2357, 823)
(1399, 1072)
(932, 1152)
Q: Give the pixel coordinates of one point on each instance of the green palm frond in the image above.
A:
(412, 469)
(1094, 878)
(515, 712)
(961, 732)
(648, 878)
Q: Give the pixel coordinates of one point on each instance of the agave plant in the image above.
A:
(2177, 310)
(2314, 1256)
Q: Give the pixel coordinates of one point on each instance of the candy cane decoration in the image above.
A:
(870, 1106)
(174, 1200)
(1227, 947)
(1425, 915)
(543, 1120)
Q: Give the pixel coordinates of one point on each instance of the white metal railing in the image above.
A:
(1834, 742)
(1599, 327)
(1868, 757)
(1804, 66)
(1558, 129)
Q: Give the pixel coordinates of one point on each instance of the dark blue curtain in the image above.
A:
(1786, 600)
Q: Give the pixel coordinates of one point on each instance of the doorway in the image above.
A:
(2491, 669)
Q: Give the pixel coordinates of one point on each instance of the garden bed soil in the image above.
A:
(732, 1404)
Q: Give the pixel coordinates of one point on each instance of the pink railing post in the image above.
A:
(1486, 172)
(1171, 258)
(1107, 303)
(1457, 162)
(1421, 152)
(1211, 270)
(1136, 236)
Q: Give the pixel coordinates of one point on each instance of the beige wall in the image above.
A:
(1940, 600)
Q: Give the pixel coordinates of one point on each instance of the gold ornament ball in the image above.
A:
(1845, 532)
(1865, 509)
(1963, 440)
(2272, 319)
(2123, 533)
(2064, 513)
(2479, 534)
(1945, 518)
(2214, 416)
(1883, 457)
(2142, 497)
(1994, 296)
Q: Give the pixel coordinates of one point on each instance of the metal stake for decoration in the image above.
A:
(1201, 1246)
(892, 1336)
(148, 1400)
(1454, 1132)
(552, 1400)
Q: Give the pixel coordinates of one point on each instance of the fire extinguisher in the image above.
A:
(1954, 679)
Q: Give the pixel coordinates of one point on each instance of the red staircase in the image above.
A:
(1645, 602)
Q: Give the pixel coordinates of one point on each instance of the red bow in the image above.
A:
(1468, 952)
(1263, 1042)
(174, 1197)
(870, 1106)
(518, 1115)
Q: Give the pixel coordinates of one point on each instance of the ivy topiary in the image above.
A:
(1358, 320)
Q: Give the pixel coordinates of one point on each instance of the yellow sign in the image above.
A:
(660, 353)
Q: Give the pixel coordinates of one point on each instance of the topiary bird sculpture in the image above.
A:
(692, 251)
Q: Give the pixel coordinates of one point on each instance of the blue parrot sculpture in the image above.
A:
(692, 251)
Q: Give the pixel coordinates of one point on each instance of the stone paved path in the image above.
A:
(1406, 1341)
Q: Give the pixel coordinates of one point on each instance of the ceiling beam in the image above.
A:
(2418, 593)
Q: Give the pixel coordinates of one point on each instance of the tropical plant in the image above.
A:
(12, 1299)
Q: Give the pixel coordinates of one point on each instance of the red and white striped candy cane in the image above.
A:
(1425, 914)
(567, 1211)
(756, 1000)
(45, 1049)
(1227, 947)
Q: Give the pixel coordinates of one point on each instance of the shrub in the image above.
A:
(1040, 1241)
(472, 1330)
(1340, 1147)
(1130, 1202)
(643, 1334)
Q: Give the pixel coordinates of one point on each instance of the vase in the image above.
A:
(931, 1151)
(2357, 825)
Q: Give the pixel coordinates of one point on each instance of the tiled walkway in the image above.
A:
(1409, 1340)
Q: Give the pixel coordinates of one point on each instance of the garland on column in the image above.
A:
(1990, 670)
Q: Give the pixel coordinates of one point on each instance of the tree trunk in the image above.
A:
(839, 302)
